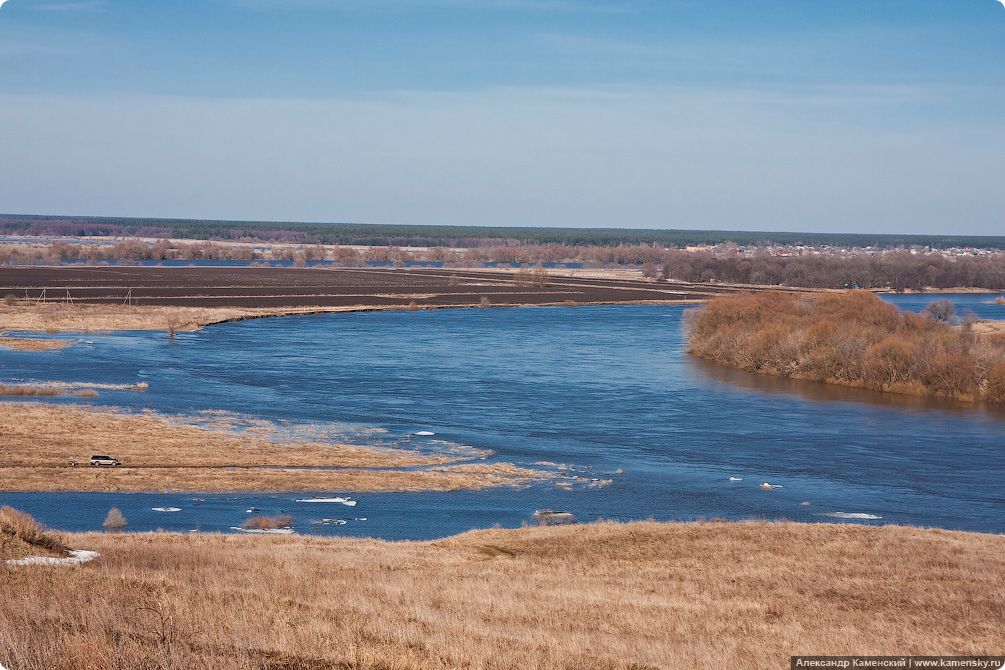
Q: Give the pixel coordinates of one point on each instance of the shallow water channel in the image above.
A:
(596, 388)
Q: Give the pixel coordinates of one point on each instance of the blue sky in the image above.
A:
(850, 115)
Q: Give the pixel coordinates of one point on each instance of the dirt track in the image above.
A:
(254, 287)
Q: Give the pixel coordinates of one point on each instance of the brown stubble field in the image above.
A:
(216, 453)
(604, 595)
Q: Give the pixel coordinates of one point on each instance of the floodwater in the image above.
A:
(596, 388)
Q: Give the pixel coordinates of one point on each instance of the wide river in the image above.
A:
(597, 388)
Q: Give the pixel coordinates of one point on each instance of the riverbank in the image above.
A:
(46, 447)
(604, 595)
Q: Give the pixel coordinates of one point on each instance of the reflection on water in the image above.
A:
(825, 393)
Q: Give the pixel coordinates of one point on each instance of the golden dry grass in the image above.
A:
(989, 327)
(162, 453)
(32, 344)
(21, 536)
(61, 317)
(639, 595)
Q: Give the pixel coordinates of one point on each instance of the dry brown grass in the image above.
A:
(32, 344)
(61, 317)
(25, 390)
(640, 595)
(989, 327)
(21, 535)
(162, 453)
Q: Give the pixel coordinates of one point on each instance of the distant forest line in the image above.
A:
(456, 236)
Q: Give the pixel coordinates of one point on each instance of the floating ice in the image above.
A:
(166, 509)
(850, 515)
(425, 433)
(768, 486)
(736, 479)
(344, 501)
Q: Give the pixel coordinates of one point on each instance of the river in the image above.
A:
(598, 388)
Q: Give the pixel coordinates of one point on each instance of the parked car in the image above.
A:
(104, 460)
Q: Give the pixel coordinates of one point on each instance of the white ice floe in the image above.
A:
(425, 433)
(76, 557)
(166, 509)
(736, 479)
(344, 501)
(264, 531)
(768, 486)
(850, 515)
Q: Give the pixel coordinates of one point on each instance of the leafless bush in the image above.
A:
(855, 339)
(268, 523)
(114, 521)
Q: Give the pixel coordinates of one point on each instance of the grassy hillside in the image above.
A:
(604, 595)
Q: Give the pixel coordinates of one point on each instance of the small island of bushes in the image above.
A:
(853, 339)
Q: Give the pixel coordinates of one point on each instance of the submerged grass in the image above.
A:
(170, 453)
(606, 595)
(32, 344)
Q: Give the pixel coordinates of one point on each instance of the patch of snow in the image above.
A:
(76, 557)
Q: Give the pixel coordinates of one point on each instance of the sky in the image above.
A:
(779, 115)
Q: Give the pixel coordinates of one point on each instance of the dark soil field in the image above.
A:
(327, 287)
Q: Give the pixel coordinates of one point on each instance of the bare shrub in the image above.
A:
(939, 310)
(10, 299)
(114, 521)
(855, 339)
(995, 391)
(268, 523)
(889, 362)
(950, 375)
(484, 301)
